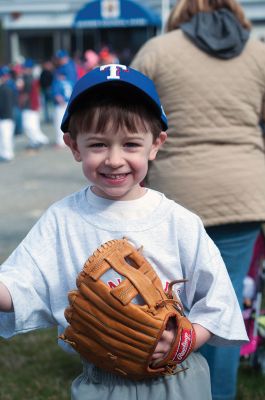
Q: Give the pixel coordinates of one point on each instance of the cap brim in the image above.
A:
(108, 86)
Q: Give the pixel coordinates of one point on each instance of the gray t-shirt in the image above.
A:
(44, 267)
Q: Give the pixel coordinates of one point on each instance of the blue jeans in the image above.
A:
(236, 243)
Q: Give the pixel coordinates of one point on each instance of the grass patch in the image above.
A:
(32, 366)
(251, 384)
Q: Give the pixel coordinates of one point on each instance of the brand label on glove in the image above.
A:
(184, 346)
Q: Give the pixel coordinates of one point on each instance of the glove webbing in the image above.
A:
(136, 282)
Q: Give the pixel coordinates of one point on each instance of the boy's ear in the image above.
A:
(159, 141)
(71, 143)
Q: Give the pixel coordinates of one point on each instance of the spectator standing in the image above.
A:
(63, 59)
(17, 83)
(211, 79)
(7, 125)
(106, 56)
(46, 78)
(79, 64)
(61, 92)
(29, 99)
(91, 60)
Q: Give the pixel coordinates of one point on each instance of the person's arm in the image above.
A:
(6, 304)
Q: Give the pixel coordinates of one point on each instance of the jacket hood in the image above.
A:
(218, 33)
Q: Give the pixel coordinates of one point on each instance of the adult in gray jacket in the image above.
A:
(210, 77)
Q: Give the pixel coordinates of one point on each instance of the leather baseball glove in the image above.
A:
(110, 330)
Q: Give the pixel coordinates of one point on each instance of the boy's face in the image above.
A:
(115, 163)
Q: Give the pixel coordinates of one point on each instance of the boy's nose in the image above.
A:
(114, 157)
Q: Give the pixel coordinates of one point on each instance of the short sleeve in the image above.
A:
(29, 293)
(34, 275)
(211, 299)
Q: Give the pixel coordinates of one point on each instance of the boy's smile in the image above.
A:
(115, 163)
(115, 178)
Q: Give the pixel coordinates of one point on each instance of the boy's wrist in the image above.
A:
(202, 336)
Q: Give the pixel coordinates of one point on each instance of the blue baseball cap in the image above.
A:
(4, 70)
(114, 75)
(61, 53)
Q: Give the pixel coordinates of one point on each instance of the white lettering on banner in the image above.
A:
(114, 70)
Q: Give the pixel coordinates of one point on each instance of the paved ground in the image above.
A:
(29, 184)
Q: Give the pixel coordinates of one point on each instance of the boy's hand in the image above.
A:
(165, 342)
(6, 304)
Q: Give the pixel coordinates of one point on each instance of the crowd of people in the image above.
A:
(32, 93)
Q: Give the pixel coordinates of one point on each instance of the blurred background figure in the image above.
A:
(7, 124)
(62, 59)
(16, 75)
(61, 92)
(125, 56)
(106, 56)
(79, 64)
(91, 60)
(46, 78)
(29, 100)
(210, 77)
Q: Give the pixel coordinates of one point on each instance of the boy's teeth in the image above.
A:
(115, 176)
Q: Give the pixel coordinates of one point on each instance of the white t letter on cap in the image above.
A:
(114, 70)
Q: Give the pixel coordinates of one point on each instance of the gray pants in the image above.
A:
(194, 383)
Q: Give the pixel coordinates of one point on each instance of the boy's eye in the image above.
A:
(132, 144)
(97, 145)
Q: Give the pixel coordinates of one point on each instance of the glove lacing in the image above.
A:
(170, 369)
(171, 297)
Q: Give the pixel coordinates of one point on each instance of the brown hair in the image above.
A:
(114, 111)
(184, 10)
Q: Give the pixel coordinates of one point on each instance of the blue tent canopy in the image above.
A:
(115, 14)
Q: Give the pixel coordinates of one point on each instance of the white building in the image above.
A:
(37, 28)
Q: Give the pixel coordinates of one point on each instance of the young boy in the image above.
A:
(114, 125)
